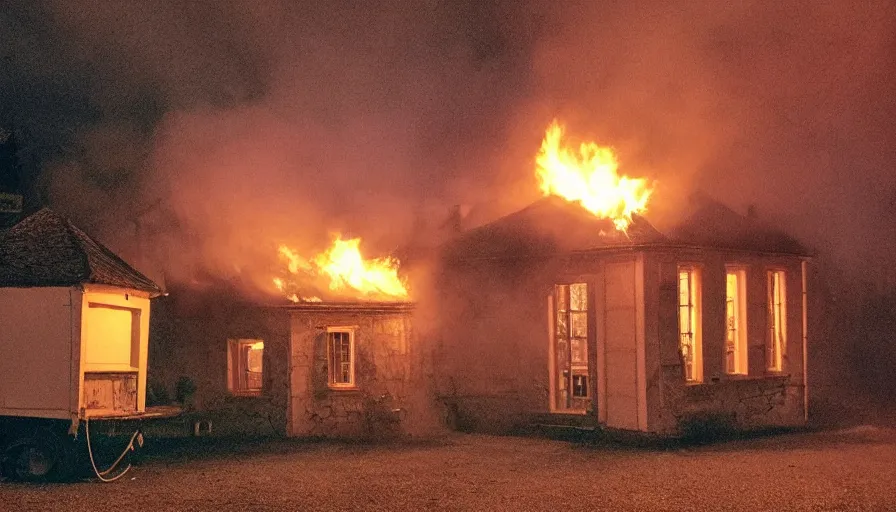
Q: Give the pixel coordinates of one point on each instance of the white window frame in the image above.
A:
(776, 333)
(738, 324)
(695, 317)
(331, 371)
(577, 369)
(236, 385)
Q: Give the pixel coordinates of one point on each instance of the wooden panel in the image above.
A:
(621, 346)
(622, 397)
(35, 351)
(620, 330)
(620, 285)
(108, 393)
(640, 343)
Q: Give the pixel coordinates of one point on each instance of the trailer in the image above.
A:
(74, 332)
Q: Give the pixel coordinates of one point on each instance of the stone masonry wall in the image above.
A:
(741, 404)
(391, 397)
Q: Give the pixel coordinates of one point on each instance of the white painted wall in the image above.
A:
(623, 346)
(36, 340)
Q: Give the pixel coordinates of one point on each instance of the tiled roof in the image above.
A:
(548, 226)
(713, 224)
(44, 249)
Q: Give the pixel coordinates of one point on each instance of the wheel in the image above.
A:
(41, 457)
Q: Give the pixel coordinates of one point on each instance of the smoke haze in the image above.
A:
(193, 137)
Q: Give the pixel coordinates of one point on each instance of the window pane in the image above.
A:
(580, 386)
(731, 322)
(562, 293)
(245, 366)
(570, 347)
(579, 327)
(562, 355)
(688, 323)
(562, 327)
(340, 357)
(579, 350)
(578, 297)
(776, 313)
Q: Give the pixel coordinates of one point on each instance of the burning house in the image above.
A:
(572, 310)
(576, 311)
(298, 365)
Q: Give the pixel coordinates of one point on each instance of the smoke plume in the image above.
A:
(193, 137)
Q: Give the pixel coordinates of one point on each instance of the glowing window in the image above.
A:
(570, 347)
(735, 322)
(689, 318)
(111, 338)
(776, 343)
(245, 366)
(341, 357)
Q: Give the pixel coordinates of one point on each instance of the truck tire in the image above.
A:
(41, 456)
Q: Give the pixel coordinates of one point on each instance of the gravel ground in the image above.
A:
(851, 469)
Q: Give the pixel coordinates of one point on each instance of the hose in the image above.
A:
(102, 475)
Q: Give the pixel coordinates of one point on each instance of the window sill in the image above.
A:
(341, 389)
(736, 378)
(249, 394)
(570, 412)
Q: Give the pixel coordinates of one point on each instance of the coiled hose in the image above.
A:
(103, 475)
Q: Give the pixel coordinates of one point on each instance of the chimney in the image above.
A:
(11, 198)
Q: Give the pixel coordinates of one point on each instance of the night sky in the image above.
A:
(196, 135)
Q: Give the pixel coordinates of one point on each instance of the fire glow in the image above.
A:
(347, 271)
(589, 176)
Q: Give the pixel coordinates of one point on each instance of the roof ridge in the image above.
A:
(46, 249)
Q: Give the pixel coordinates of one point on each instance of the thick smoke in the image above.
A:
(211, 132)
(195, 136)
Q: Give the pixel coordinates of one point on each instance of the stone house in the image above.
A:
(551, 316)
(329, 369)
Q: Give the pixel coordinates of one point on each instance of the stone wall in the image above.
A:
(188, 363)
(392, 396)
(757, 400)
(729, 405)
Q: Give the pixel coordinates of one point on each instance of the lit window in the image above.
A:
(735, 322)
(341, 357)
(570, 347)
(777, 315)
(245, 364)
(689, 323)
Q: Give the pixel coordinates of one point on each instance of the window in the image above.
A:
(735, 322)
(341, 357)
(689, 323)
(245, 364)
(776, 343)
(111, 338)
(570, 347)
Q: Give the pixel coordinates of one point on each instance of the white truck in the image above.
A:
(74, 330)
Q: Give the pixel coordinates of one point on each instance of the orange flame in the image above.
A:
(589, 176)
(346, 270)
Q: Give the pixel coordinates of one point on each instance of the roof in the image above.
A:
(548, 226)
(348, 307)
(45, 249)
(713, 224)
